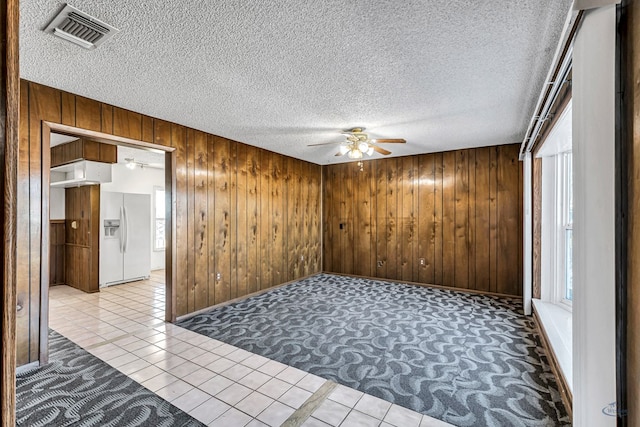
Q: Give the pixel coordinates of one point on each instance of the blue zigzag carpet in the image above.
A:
(78, 389)
(470, 360)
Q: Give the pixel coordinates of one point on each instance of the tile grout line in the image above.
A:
(310, 405)
(120, 337)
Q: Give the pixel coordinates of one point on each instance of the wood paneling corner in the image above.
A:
(451, 219)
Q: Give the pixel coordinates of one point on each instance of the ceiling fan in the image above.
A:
(358, 143)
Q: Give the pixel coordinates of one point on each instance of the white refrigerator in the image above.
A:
(125, 244)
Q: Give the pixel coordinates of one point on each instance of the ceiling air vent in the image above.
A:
(77, 27)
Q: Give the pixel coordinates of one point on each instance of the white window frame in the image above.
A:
(156, 248)
(554, 220)
(563, 223)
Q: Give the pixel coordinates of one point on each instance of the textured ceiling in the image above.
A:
(284, 74)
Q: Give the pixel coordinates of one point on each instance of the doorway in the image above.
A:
(138, 154)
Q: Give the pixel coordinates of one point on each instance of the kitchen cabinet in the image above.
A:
(82, 232)
(83, 149)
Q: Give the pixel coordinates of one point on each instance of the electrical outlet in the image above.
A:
(422, 262)
(218, 276)
(301, 257)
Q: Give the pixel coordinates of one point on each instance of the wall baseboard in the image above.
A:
(253, 294)
(222, 304)
(28, 367)
(427, 285)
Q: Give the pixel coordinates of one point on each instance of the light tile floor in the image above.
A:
(214, 382)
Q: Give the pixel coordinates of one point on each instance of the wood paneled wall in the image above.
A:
(9, 103)
(536, 181)
(250, 215)
(56, 251)
(631, 43)
(458, 211)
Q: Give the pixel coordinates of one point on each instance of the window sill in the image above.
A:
(556, 322)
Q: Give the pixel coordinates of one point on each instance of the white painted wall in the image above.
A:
(594, 366)
(56, 198)
(140, 181)
(56, 203)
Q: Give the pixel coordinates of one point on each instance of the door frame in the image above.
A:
(170, 217)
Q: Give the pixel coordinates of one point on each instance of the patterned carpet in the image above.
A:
(78, 389)
(470, 360)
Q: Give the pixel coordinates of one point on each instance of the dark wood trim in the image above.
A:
(627, 243)
(170, 185)
(171, 249)
(44, 254)
(9, 118)
(8, 147)
(563, 387)
(104, 137)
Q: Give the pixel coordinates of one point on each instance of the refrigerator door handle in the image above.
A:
(126, 228)
(121, 229)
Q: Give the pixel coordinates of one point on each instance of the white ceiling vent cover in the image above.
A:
(77, 27)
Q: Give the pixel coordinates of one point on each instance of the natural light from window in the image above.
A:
(566, 232)
(555, 304)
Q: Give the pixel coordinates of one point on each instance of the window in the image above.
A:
(159, 239)
(556, 239)
(565, 231)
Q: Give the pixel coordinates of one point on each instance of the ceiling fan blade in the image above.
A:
(324, 143)
(338, 154)
(389, 141)
(381, 150)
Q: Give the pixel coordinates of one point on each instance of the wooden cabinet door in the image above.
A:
(82, 237)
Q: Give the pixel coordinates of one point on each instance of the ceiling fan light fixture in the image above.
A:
(355, 154)
(357, 144)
